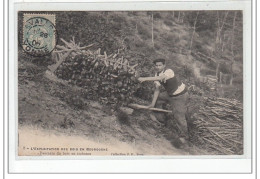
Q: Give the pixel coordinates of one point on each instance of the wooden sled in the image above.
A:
(138, 106)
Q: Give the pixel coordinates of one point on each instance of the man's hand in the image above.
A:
(157, 84)
(141, 79)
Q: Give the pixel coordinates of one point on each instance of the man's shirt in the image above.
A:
(169, 73)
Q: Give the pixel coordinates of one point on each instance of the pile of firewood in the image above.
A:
(107, 78)
(217, 126)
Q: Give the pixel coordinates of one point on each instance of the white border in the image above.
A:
(176, 164)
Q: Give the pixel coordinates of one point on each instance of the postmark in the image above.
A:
(39, 34)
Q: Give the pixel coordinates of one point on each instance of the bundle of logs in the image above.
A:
(110, 79)
(218, 126)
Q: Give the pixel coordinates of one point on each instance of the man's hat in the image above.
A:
(159, 60)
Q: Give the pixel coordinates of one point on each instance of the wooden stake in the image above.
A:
(138, 106)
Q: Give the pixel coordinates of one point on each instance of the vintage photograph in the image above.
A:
(130, 83)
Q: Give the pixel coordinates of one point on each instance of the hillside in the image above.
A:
(140, 37)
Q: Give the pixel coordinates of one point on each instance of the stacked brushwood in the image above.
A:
(217, 126)
(110, 79)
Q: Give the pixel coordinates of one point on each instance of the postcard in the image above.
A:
(123, 82)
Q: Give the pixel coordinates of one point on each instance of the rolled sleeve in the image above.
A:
(169, 74)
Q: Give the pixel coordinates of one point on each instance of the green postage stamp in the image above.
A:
(39, 34)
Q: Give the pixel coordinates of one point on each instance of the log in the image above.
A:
(214, 144)
(75, 48)
(138, 106)
(52, 68)
(115, 56)
(61, 47)
(81, 48)
(223, 122)
(67, 43)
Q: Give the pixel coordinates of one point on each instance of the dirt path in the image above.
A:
(48, 143)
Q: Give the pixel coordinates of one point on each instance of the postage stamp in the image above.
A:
(39, 34)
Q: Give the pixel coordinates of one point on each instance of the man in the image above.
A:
(176, 94)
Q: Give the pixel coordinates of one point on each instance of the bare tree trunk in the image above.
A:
(136, 32)
(106, 15)
(183, 15)
(233, 34)
(217, 72)
(223, 45)
(219, 30)
(179, 16)
(194, 30)
(232, 47)
(217, 36)
(152, 31)
(220, 77)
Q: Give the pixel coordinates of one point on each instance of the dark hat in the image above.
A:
(159, 60)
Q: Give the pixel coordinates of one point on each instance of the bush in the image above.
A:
(231, 91)
(224, 68)
(170, 39)
(188, 72)
(157, 15)
(139, 43)
(212, 64)
(168, 22)
(144, 32)
(238, 80)
(206, 71)
(157, 46)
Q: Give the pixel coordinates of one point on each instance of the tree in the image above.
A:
(179, 15)
(220, 25)
(232, 46)
(152, 31)
(194, 29)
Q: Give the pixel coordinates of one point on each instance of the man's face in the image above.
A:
(159, 66)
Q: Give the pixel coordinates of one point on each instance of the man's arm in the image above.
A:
(156, 78)
(166, 75)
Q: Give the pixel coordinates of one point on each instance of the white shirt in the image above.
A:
(168, 74)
